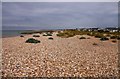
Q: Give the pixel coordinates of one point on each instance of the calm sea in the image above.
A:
(11, 33)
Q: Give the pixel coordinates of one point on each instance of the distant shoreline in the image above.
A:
(13, 33)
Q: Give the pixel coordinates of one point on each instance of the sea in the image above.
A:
(11, 33)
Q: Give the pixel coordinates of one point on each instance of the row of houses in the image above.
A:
(111, 29)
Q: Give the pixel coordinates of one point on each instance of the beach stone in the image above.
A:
(60, 57)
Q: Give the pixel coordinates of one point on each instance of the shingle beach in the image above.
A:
(60, 57)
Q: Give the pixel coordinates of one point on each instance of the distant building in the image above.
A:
(111, 29)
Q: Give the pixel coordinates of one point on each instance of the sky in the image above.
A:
(59, 0)
(58, 15)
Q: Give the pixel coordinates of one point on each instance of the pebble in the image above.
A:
(61, 57)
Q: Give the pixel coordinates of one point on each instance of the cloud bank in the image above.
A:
(60, 0)
(57, 15)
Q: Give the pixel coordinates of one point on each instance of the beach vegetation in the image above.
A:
(114, 41)
(21, 36)
(108, 35)
(82, 38)
(65, 34)
(113, 37)
(118, 38)
(47, 34)
(104, 38)
(34, 32)
(50, 38)
(36, 36)
(99, 35)
(32, 40)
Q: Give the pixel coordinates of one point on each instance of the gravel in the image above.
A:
(62, 57)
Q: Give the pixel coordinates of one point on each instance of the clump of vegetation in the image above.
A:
(82, 38)
(34, 31)
(118, 38)
(113, 37)
(21, 36)
(69, 33)
(95, 44)
(114, 41)
(90, 34)
(32, 40)
(29, 32)
(49, 34)
(99, 35)
(104, 38)
(60, 34)
(108, 35)
(50, 38)
(65, 35)
(36, 36)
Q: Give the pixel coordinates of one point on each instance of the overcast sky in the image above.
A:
(57, 15)
(59, 0)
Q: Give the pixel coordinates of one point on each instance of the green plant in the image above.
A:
(36, 36)
(90, 33)
(49, 34)
(66, 34)
(98, 35)
(113, 37)
(104, 38)
(114, 41)
(60, 34)
(82, 38)
(21, 36)
(32, 40)
(108, 35)
(50, 38)
(118, 38)
(39, 31)
(44, 35)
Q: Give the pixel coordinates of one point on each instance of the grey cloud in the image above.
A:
(59, 15)
(60, 0)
